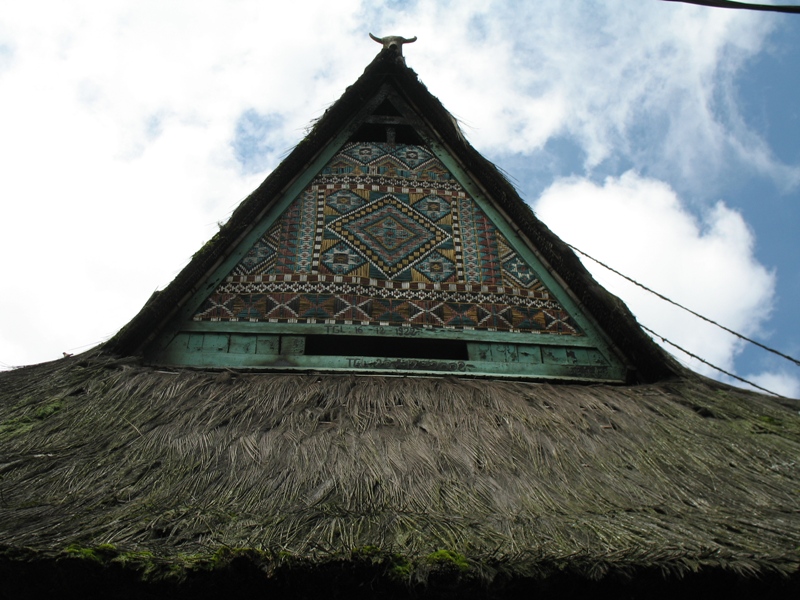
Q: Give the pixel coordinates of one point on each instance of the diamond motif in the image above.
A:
(391, 234)
(344, 201)
(364, 153)
(519, 271)
(262, 256)
(341, 259)
(412, 156)
(436, 267)
(434, 207)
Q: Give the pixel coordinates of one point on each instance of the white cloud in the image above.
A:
(652, 83)
(641, 228)
(780, 382)
(117, 126)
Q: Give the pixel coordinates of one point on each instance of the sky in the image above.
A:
(661, 138)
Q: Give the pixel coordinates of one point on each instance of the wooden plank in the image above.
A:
(188, 347)
(573, 356)
(242, 343)
(398, 366)
(293, 344)
(215, 342)
(194, 343)
(545, 339)
(385, 120)
(268, 344)
(506, 353)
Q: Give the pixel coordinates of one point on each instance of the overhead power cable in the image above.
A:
(690, 311)
(782, 8)
(704, 361)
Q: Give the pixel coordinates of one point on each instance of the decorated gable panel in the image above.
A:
(386, 235)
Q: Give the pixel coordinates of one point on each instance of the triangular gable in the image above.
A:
(385, 242)
(383, 261)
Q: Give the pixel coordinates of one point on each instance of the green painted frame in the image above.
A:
(178, 343)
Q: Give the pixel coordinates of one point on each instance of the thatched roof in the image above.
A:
(495, 483)
(133, 481)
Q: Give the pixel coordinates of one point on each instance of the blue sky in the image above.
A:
(660, 138)
(768, 89)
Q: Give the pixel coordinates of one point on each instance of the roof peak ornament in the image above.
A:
(393, 42)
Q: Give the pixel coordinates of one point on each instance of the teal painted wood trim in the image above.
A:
(396, 366)
(389, 331)
(215, 350)
(225, 344)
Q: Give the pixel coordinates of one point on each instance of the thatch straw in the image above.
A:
(675, 475)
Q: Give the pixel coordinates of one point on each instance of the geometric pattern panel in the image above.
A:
(391, 234)
(386, 234)
(361, 301)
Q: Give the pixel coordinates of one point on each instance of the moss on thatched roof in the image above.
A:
(522, 480)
